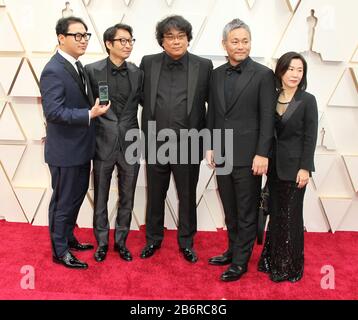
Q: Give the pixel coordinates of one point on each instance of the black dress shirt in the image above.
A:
(171, 102)
(118, 86)
(232, 76)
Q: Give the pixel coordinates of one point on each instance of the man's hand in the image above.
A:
(97, 110)
(303, 177)
(209, 156)
(259, 165)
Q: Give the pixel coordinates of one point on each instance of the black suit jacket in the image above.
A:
(295, 146)
(69, 133)
(109, 128)
(250, 114)
(199, 71)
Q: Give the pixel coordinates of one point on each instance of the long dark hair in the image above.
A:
(282, 66)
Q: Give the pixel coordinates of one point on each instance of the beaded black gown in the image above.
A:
(283, 253)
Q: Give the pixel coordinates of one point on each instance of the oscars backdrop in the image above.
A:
(324, 31)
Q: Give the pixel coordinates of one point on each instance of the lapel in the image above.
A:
(244, 80)
(89, 90)
(100, 74)
(193, 75)
(154, 80)
(100, 71)
(292, 107)
(71, 70)
(133, 80)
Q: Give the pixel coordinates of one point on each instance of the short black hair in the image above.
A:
(63, 24)
(282, 66)
(173, 22)
(110, 33)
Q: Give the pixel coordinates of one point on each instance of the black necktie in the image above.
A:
(81, 72)
(122, 70)
(232, 69)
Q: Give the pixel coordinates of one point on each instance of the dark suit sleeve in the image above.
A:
(310, 134)
(267, 111)
(53, 102)
(210, 114)
(140, 86)
(210, 71)
(141, 67)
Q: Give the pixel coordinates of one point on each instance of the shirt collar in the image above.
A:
(112, 65)
(183, 60)
(68, 57)
(242, 64)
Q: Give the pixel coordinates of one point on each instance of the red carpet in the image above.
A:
(167, 275)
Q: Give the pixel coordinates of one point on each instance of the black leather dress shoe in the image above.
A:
(70, 261)
(124, 253)
(101, 253)
(234, 273)
(189, 254)
(76, 246)
(149, 250)
(225, 258)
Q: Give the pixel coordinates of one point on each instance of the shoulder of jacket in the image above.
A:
(132, 66)
(95, 64)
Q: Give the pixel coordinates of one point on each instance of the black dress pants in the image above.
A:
(186, 179)
(240, 195)
(70, 185)
(127, 180)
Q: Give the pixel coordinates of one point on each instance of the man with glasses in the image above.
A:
(70, 142)
(175, 90)
(124, 82)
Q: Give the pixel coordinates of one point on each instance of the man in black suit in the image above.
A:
(242, 98)
(124, 81)
(70, 142)
(175, 90)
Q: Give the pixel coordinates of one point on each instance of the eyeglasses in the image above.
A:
(124, 41)
(78, 36)
(172, 37)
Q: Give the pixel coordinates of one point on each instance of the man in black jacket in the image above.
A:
(175, 90)
(124, 81)
(242, 99)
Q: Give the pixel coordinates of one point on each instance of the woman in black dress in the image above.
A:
(289, 171)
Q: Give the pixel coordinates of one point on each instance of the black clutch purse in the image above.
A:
(263, 213)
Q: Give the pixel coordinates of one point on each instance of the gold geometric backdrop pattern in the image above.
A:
(324, 31)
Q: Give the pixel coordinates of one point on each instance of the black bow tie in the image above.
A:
(121, 70)
(174, 64)
(232, 69)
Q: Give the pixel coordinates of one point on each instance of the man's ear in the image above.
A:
(61, 39)
(223, 44)
(109, 45)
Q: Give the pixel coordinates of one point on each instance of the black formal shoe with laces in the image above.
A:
(101, 253)
(70, 261)
(233, 273)
(124, 253)
(76, 246)
(224, 259)
(149, 250)
(189, 254)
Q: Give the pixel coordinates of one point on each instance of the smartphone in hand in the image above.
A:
(103, 93)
